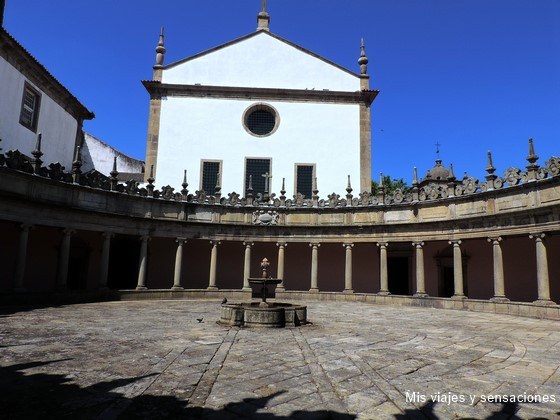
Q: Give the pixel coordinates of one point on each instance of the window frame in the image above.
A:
(247, 158)
(220, 175)
(258, 107)
(35, 116)
(313, 175)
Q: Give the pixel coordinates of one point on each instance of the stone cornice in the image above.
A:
(15, 54)
(158, 90)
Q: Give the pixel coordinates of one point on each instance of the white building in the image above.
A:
(98, 155)
(33, 101)
(259, 105)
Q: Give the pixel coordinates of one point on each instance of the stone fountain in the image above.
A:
(263, 314)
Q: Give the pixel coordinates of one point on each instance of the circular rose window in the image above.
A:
(260, 120)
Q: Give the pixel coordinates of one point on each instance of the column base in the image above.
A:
(499, 299)
(384, 293)
(246, 289)
(211, 288)
(458, 297)
(544, 302)
(314, 290)
(141, 288)
(348, 291)
(420, 295)
(280, 287)
(177, 288)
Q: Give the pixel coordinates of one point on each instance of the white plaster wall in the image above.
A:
(262, 61)
(192, 129)
(99, 156)
(57, 126)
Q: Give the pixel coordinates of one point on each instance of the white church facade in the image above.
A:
(259, 113)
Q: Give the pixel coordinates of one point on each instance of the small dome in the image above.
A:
(437, 174)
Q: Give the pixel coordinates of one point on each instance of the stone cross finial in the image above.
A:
(267, 178)
(263, 19)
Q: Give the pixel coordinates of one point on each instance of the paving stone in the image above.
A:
(152, 359)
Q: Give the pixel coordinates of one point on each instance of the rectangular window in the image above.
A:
(304, 179)
(210, 171)
(257, 168)
(30, 102)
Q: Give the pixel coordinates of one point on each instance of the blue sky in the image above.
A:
(473, 75)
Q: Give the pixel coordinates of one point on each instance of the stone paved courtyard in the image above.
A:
(154, 359)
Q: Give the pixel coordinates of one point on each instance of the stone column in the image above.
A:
(21, 258)
(420, 279)
(104, 264)
(314, 266)
(247, 265)
(143, 263)
(280, 274)
(63, 258)
(384, 274)
(348, 269)
(543, 282)
(213, 265)
(457, 271)
(499, 286)
(178, 264)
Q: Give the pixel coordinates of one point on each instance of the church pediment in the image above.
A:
(261, 59)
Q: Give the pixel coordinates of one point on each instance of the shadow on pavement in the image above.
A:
(49, 396)
(53, 396)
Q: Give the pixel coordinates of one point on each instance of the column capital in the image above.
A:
(348, 245)
(145, 238)
(315, 244)
(382, 244)
(282, 244)
(494, 239)
(538, 236)
(26, 226)
(181, 240)
(248, 244)
(215, 243)
(68, 231)
(107, 235)
(455, 242)
(418, 244)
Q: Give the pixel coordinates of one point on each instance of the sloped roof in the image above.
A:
(251, 35)
(39, 75)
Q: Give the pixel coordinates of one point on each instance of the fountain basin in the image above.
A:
(275, 315)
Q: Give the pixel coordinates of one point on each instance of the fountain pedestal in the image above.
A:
(264, 288)
(263, 313)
